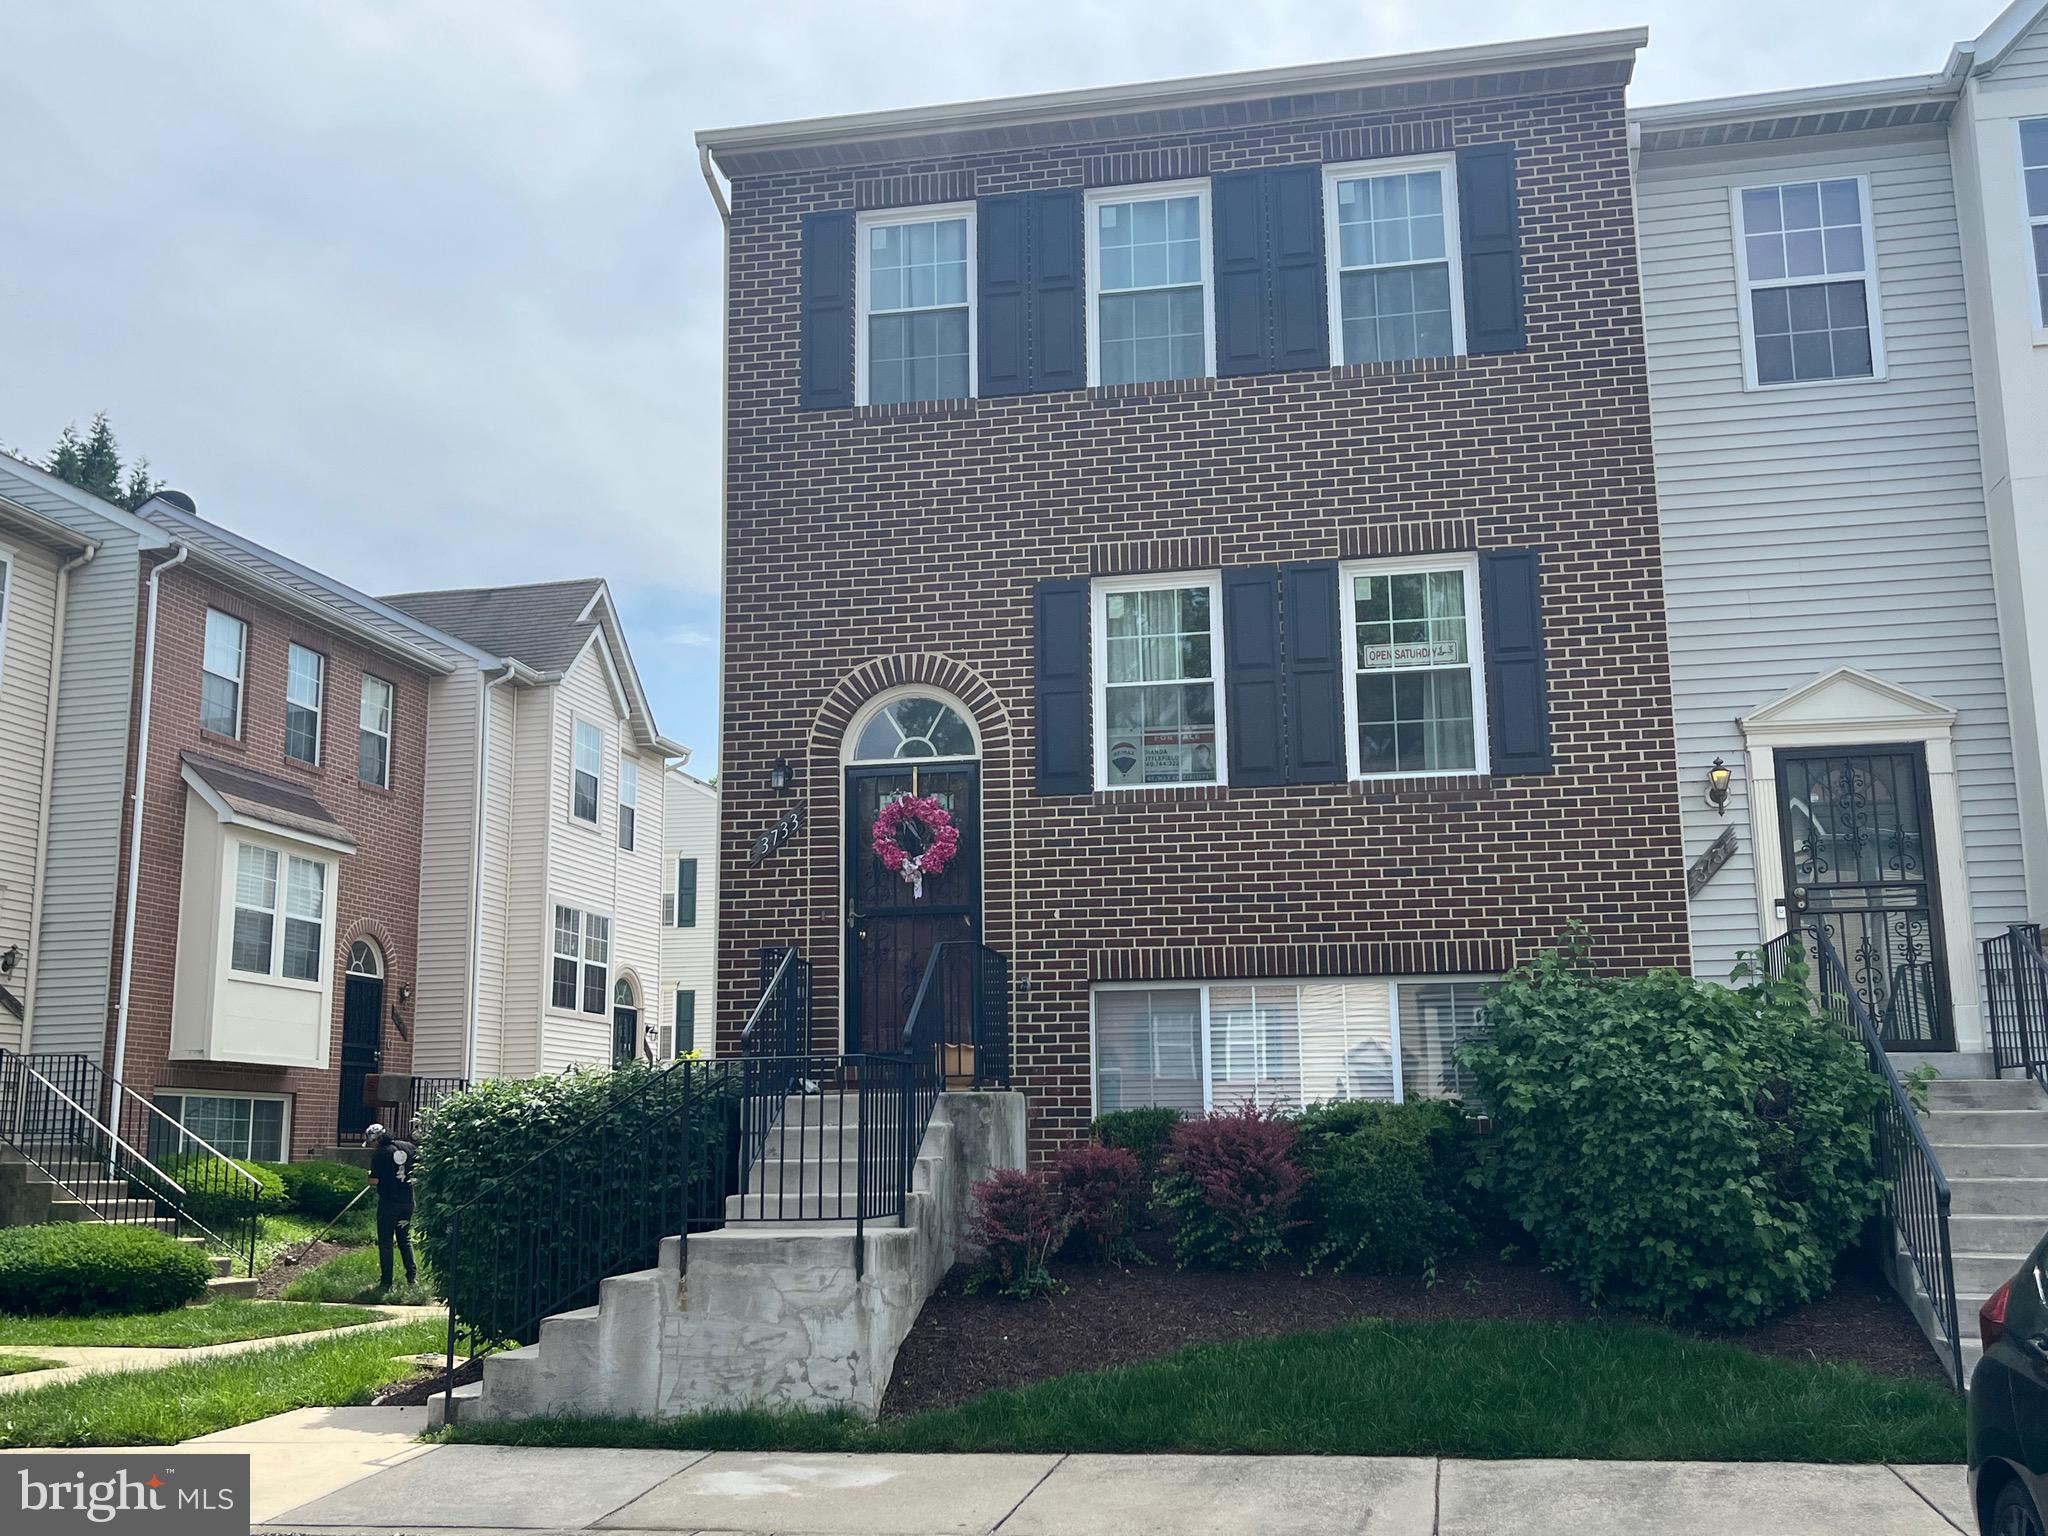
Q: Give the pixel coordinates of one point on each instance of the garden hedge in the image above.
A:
(84, 1267)
(322, 1189)
(1388, 1184)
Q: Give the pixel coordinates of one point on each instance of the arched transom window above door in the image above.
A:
(363, 959)
(909, 727)
(623, 995)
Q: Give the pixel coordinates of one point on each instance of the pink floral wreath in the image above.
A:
(915, 837)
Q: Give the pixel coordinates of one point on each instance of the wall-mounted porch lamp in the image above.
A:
(1718, 777)
(779, 776)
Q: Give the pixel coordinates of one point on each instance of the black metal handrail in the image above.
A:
(1916, 1199)
(424, 1094)
(110, 1148)
(2016, 997)
(958, 1028)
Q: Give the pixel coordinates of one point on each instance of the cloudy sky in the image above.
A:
(425, 292)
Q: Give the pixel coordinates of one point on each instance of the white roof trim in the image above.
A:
(1991, 46)
(230, 817)
(1890, 707)
(597, 641)
(85, 501)
(708, 790)
(1805, 100)
(1198, 90)
(45, 530)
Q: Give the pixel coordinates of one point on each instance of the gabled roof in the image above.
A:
(58, 499)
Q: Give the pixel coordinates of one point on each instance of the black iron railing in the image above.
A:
(424, 1094)
(1916, 1200)
(595, 1200)
(2016, 996)
(120, 1157)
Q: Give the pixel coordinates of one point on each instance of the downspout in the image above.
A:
(710, 1025)
(476, 870)
(135, 809)
(35, 908)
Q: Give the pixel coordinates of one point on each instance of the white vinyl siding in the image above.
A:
(689, 953)
(27, 644)
(1805, 530)
(1148, 261)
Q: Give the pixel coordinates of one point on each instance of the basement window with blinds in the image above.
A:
(1282, 1044)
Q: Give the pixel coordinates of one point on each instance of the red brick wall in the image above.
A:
(377, 890)
(870, 546)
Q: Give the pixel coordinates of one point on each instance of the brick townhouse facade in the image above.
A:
(277, 894)
(1252, 880)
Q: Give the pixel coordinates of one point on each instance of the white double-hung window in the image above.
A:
(220, 680)
(1417, 700)
(305, 692)
(582, 961)
(915, 278)
(253, 947)
(1148, 279)
(1803, 255)
(1158, 662)
(2034, 171)
(583, 771)
(1396, 285)
(373, 733)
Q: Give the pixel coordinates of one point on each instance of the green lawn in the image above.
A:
(21, 1365)
(276, 1233)
(1475, 1389)
(197, 1397)
(353, 1277)
(218, 1322)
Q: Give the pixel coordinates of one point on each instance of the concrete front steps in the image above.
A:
(1991, 1138)
(766, 1313)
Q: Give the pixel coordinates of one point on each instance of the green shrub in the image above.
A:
(82, 1267)
(524, 1188)
(1688, 1150)
(1387, 1184)
(214, 1197)
(1232, 1181)
(321, 1189)
(1147, 1134)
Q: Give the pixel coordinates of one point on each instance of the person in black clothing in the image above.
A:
(391, 1167)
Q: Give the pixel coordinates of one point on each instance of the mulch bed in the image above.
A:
(415, 1390)
(964, 1345)
(271, 1283)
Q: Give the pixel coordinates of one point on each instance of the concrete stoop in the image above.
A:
(762, 1314)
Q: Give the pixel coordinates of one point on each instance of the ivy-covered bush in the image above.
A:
(527, 1192)
(1020, 1219)
(1691, 1151)
(1232, 1182)
(1146, 1134)
(74, 1267)
(321, 1189)
(1103, 1190)
(1388, 1184)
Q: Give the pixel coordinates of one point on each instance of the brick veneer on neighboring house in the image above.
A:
(872, 546)
(377, 888)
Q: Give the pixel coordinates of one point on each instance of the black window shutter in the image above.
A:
(686, 1022)
(1489, 230)
(1315, 675)
(1058, 303)
(1294, 217)
(1237, 220)
(1061, 688)
(825, 342)
(1517, 697)
(1003, 273)
(686, 893)
(1251, 676)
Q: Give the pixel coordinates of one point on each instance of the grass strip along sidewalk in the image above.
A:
(175, 1402)
(353, 1277)
(1472, 1389)
(218, 1322)
(19, 1365)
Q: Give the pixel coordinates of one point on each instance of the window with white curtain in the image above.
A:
(255, 909)
(262, 876)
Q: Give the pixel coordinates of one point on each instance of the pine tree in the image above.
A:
(93, 464)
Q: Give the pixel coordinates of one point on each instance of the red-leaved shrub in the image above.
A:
(1232, 1181)
(1104, 1189)
(1020, 1218)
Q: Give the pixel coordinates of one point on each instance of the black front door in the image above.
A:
(362, 1047)
(625, 1035)
(1860, 867)
(890, 930)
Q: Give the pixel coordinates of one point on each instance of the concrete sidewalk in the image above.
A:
(478, 1488)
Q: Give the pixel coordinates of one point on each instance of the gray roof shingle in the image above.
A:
(539, 625)
(278, 801)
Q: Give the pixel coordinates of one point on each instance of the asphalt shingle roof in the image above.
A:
(538, 624)
(278, 801)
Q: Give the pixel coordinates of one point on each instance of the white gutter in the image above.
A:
(507, 673)
(135, 810)
(35, 909)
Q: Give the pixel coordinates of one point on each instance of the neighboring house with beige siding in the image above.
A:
(1832, 534)
(689, 916)
(542, 882)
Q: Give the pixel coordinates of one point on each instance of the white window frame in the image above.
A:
(182, 1094)
(2029, 222)
(1873, 288)
(603, 967)
(390, 722)
(292, 651)
(241, 667)
(280, 913)
(1475, 649)
(577, 726)
(1146, 192)
(1454, 252)
(1098, 665)
(885, 218)
(573, 955)
(629, 802)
